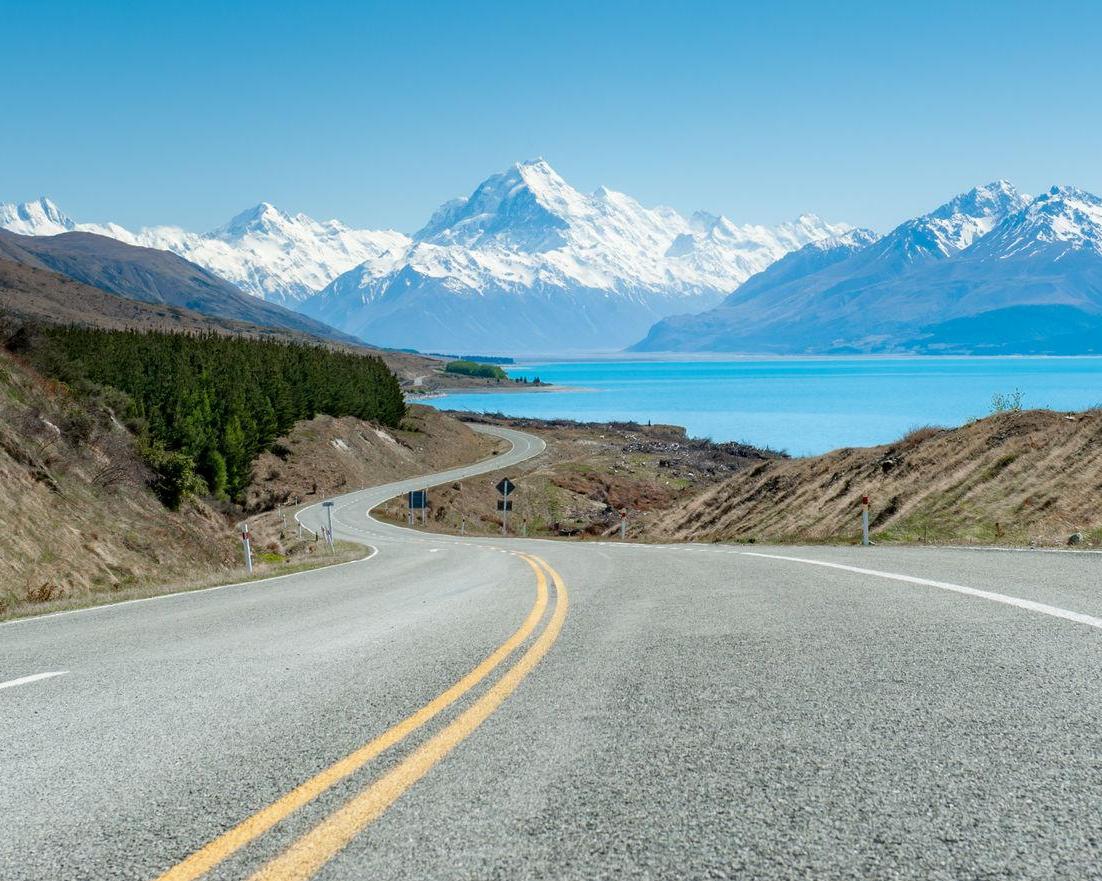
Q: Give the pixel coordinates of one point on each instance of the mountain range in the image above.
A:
(263, 251)
(528, 264)
(991, 271)
(525, 263)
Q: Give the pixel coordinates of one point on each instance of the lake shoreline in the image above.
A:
(804, 405)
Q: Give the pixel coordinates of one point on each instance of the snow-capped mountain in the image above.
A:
(991, 270)
(1060, 222)
(265, 252)
(528, 263)
(39, 218)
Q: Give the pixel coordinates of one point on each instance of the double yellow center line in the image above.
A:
(320, 844)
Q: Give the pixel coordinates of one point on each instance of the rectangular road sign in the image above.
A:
(505, 504)
(418, 499)
(506, 487)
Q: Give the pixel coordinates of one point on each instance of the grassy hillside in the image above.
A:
(82, 525)
(79, 519)
(1012, 478)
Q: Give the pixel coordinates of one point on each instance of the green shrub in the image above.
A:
(471, 368)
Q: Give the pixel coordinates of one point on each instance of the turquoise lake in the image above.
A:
(804, 406)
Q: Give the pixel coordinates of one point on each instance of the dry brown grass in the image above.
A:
(1011, 478)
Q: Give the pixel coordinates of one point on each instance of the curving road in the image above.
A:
(458, 708)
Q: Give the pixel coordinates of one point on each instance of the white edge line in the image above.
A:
(1029, 605)
(183, 593)
(23, 680)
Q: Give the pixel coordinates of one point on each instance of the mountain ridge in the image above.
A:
(989, 249)
(525, 262)
(266, 252)
(528, 263)
(153, 276)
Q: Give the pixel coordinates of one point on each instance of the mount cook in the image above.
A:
(525, 263)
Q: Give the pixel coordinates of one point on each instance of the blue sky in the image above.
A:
(374, 113)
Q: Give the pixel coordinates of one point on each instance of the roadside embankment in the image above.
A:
(1012, 478)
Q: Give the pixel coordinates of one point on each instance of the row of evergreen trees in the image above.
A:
(208, 404)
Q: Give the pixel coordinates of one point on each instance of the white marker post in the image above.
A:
(865, 520)
(247, 547)
(505, 512)
(623, 523)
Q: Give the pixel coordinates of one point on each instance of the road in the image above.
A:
(472, 708)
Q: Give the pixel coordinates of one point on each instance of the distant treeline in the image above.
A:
(480, 359)
(206, 405)
(470, 368)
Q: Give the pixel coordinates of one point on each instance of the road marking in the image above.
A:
(204, 859)
(1029, 605)
(304, 858)
(108, 606)
(23, 680)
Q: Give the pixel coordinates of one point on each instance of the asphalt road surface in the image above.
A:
(457, 708)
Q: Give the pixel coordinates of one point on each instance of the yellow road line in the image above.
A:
(304, 858)
(204, 859)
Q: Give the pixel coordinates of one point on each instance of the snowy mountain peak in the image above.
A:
(952, 227)
(517, 208)
(996, 199)
(260, 218)
(38, 218)
(854, 240)
(1062, 220)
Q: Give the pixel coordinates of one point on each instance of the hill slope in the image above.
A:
(42, 295)
(1010, 478)
(153, 276)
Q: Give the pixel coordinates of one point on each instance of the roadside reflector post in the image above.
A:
(623, 523)
(865, 520)
(247, 547)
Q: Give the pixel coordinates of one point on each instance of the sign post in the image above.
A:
(865, 520)
(247, 547)
(418, 500)
(505, 504)
(329, 531)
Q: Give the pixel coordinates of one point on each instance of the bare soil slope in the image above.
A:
(1012, 478)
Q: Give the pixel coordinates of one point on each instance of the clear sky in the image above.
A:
(188, 112)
